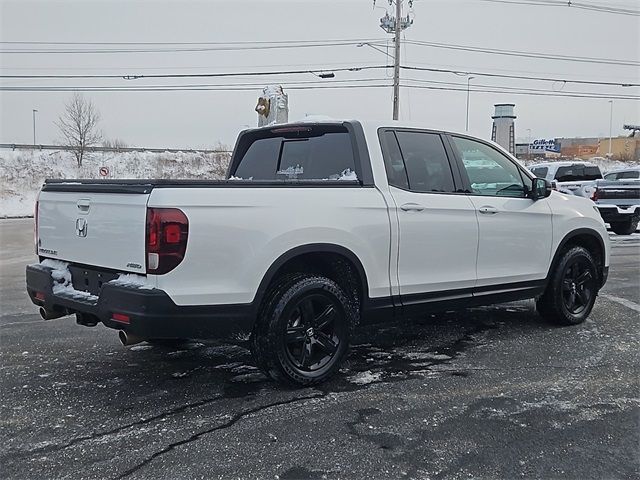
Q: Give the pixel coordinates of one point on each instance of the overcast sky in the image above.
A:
(204, 118)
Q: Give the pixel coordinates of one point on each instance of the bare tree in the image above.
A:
(79, 125)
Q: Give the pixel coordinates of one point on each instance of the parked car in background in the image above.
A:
(573, 178)
(631, 173)
(618, 202)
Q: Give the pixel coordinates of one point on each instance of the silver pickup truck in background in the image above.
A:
(618, 202)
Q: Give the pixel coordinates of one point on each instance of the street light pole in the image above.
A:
(34, 111)
(610, 125)
(467, 122)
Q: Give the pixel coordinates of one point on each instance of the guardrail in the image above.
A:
(23, 146)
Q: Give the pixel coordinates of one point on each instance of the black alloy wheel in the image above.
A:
(303, 329)
(314, 332)
(571, 289)
(578, 285)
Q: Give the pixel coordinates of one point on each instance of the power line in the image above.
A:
(570, 4)
(242, 42)
(252, 87)
(519, 77)
(196, 75)
(318, 71)
(519, 53)
(288, 45)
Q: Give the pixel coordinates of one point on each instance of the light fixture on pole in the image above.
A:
(34, 111)
(468, 85)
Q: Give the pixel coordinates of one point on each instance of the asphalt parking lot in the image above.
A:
(483, 393)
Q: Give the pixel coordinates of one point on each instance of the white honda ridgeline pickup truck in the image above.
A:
(319, 227)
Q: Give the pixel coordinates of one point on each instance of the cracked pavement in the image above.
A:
(492, 393)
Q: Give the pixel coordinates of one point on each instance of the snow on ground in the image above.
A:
(605, 164)
(22, 172)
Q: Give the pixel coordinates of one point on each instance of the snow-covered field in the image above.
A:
(22, 172)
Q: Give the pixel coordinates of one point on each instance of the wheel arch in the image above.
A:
(583, 237)
(313, 255)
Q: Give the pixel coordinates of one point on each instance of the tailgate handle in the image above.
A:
(84, 204)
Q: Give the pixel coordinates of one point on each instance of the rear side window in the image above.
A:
(416, 161)
(540, 172)
(630, 174)
(305, 153)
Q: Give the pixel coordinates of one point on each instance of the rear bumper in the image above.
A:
(151, 312)
(614, 213)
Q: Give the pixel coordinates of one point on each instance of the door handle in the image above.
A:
(84, 204)
(487, 210)
(411, 207)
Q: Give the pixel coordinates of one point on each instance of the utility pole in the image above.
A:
(396, 63)
(468, 84)
(34, 111)
(396, 25)
(610, 126)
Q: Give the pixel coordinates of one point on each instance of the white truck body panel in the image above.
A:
(237, 233)
(99, 229)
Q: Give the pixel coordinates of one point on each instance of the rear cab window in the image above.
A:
(578, 173)
(296, 153)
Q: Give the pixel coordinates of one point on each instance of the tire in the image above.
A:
(572, 289)
(303, 329)
(625, 228)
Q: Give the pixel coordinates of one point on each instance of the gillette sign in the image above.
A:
(541, 146)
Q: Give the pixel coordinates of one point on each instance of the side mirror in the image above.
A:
(541, 189)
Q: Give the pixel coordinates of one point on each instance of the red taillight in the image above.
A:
(167, 233)
(594, 196)
(35, 225)
(119, 317)
(40, 296)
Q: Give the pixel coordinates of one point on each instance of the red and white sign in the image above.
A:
(104, 171)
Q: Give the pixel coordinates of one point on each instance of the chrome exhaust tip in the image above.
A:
(128, 339)
(51, 314)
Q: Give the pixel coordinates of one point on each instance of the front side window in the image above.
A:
(611, 176)
(489, 171)
(426, 162)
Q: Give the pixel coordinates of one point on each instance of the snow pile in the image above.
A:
(62, 284)
(365, 378)
(131, 280)
(22, 172)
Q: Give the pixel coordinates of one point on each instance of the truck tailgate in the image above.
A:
(99, 229)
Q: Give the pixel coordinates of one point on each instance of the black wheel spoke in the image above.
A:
(325, 318)
(583, 278)
(566, 284)
(305, 354)
(295, 335)
(306, 310)
(326, 343)
(582, 295)
(571, 301)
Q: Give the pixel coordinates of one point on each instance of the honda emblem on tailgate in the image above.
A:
(81, 227)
